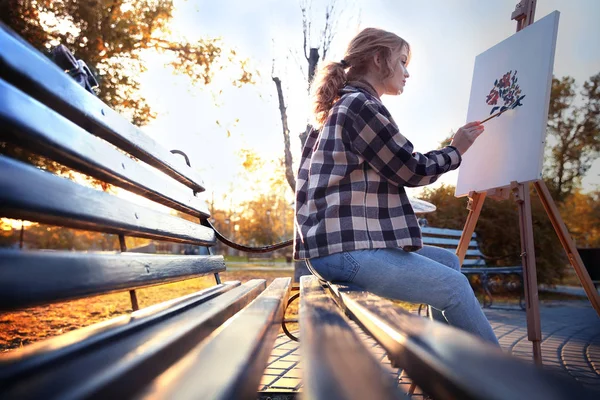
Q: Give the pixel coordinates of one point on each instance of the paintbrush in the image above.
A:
(495, 115)
(513, 105)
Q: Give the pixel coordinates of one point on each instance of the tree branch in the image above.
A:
(289, 173)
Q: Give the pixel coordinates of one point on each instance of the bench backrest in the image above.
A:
(43, 110)
(448, 239)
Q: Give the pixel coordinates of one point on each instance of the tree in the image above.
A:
(581, 214)
(576, 129)
(312, 55)
(111, 37)
(266, 218)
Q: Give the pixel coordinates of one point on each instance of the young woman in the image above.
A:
(354, 222)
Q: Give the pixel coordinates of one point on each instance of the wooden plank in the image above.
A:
(493, 270)
(231, 363)
(59, 139)
(449, 363)
(335, 362)
(431, 231)
(121, 365)
(475, 204)
(473, 262)
(30, 71)
(61, 276)
(40, 354)
(445, 242)
(67, 203)
(474, 253)
(530, 286)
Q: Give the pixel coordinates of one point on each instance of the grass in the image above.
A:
(570, 278)
(27, 326)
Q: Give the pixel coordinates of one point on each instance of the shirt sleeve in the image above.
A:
(374, 136)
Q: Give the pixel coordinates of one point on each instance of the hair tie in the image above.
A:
(344, 63)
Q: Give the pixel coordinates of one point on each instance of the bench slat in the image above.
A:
(436, 241)
(470, 263)
(121, 365)
(493, 270)
(474, 253)
(35, 195)
(231, 363)
(27, 69)
(427, 230)
(59, 139)
(335, 362)
(449, 363)
(61, 276)
(36, 355)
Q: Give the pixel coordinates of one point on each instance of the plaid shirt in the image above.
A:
(350, 187)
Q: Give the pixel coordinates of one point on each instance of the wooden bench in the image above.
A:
(491, 279)
(213, 344)
(163, 350)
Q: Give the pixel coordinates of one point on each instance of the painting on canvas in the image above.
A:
(512, 79)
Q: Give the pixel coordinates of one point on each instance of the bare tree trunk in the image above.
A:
(313, 60)
(289, 171)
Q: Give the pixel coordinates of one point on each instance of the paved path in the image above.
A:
(570, 339)
(572, 290)
(570, 346)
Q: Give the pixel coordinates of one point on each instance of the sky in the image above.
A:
(445, 37)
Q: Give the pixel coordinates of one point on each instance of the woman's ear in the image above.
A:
(377, 59)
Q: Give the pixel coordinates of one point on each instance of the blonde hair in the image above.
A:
(333, 76)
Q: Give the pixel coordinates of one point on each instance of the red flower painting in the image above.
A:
(507, 91)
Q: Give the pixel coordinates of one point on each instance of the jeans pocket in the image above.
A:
(351, 267)
(338, 267)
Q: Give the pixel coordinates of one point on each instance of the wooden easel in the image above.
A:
(524, 14)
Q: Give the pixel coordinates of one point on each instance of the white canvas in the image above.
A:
(512, 146)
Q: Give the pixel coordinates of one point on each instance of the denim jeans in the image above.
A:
(431, 276)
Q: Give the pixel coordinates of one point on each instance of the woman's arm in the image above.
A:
(377, 139)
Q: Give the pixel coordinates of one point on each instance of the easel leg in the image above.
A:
(532, 304)
(475, 205)
(568, 245)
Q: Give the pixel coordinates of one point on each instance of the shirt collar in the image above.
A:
(361, 85)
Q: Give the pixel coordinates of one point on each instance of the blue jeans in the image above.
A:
(431, 276)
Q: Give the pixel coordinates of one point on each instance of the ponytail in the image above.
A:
(330, 79)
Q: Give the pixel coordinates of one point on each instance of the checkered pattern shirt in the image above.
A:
(350, 187)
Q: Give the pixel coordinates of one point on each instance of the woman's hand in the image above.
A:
(466, 135)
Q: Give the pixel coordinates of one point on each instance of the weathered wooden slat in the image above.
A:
(36, 355)
(427, 230)
(335, 362)
(474, 253)
(35, 195)
(449, 363)
(470, 263)
(30, 71)
(61, 276)
(445, 242)
(230, 363)
(123, 364)
(59, 139)
(493, 270)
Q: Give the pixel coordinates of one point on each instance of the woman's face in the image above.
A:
(394, 84)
